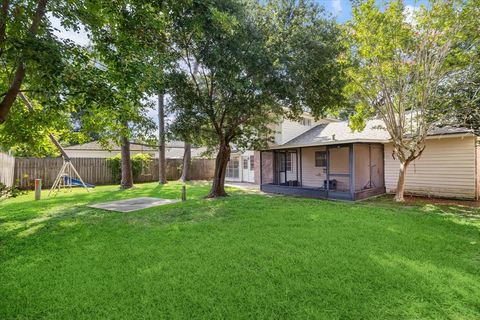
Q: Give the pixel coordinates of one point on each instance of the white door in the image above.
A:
(248, 169)
(245, 168)
(251, 165)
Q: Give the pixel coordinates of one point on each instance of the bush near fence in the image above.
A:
(97, 171)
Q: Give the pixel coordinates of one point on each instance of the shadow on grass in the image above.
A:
(26, 217)
(263, 255)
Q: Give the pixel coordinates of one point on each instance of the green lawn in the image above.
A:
(246, 256)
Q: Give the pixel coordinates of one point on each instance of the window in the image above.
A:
(320, 159)
(245, 163)
(252, 162)
(233, 168)
(289, 161)
(306, 122)
(285, 161)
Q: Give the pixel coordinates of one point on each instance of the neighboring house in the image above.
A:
(173, 150)
(243, 166)
(331, 161)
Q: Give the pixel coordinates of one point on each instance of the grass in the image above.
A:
(246, 256)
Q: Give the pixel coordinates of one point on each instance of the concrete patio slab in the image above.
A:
(132, 204)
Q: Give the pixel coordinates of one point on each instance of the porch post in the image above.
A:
(274, 167)
(370, 164)
(261, 169)
(383, 168)
(328, 169)
(301, 174)
(352, 171)
(296, 165)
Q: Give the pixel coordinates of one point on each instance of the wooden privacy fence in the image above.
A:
(7, 169)
(96, 170)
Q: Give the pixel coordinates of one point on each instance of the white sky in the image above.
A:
(80, 38)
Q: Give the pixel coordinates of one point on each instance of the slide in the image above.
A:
(76, 182)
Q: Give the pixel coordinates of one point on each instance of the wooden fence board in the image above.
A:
(96, 170)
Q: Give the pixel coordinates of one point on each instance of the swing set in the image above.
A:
(68, 176)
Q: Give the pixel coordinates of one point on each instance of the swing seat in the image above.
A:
(76, 182)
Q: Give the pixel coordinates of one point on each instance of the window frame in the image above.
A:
(233, 168)
(288, 162)
(306, 122)
(320, 156)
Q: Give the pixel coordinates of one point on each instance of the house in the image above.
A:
(243, 165)
(328, 160)
(173, 150)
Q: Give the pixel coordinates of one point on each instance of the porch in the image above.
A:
(345, 171)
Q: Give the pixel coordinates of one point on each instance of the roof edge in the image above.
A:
(383, 141)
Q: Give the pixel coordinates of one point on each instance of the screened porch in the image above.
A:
(347, 171)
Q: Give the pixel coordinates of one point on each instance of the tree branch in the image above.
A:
(3, 23)
(17, 81)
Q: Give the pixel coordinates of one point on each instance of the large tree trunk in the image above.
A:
(127, 174)
(187, 159)
(162, 162)
(399, 195)
(218, 185)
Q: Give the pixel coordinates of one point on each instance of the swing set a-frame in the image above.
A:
(68, 176)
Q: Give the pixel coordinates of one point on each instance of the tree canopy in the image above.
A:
(399, 61)
(255, 62)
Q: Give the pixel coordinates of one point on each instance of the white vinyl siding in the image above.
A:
(288, 129)
(312, 176)
(292, 129)
(445, 169)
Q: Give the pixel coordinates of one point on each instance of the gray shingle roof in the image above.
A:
(340, 132)
(448, 130)
(95, 145)
(173, 150)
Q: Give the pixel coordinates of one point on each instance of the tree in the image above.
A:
(162, 162)
(187, 162)
(19, 29)
(127, 174)
(36, 62)
(462, 93)
(398, 64)
(255, 63)
(462, 90)
(127, 41)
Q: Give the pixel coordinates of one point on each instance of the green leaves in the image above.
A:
(402, 63)
(254, 61)
(139, 161)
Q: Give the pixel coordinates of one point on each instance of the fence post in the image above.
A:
(38, 188)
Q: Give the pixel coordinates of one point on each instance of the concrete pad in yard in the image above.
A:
(132, 204)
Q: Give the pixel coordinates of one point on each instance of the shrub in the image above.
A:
(138, 161)
(9, 192)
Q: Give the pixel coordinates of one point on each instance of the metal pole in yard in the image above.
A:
(184, 193)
